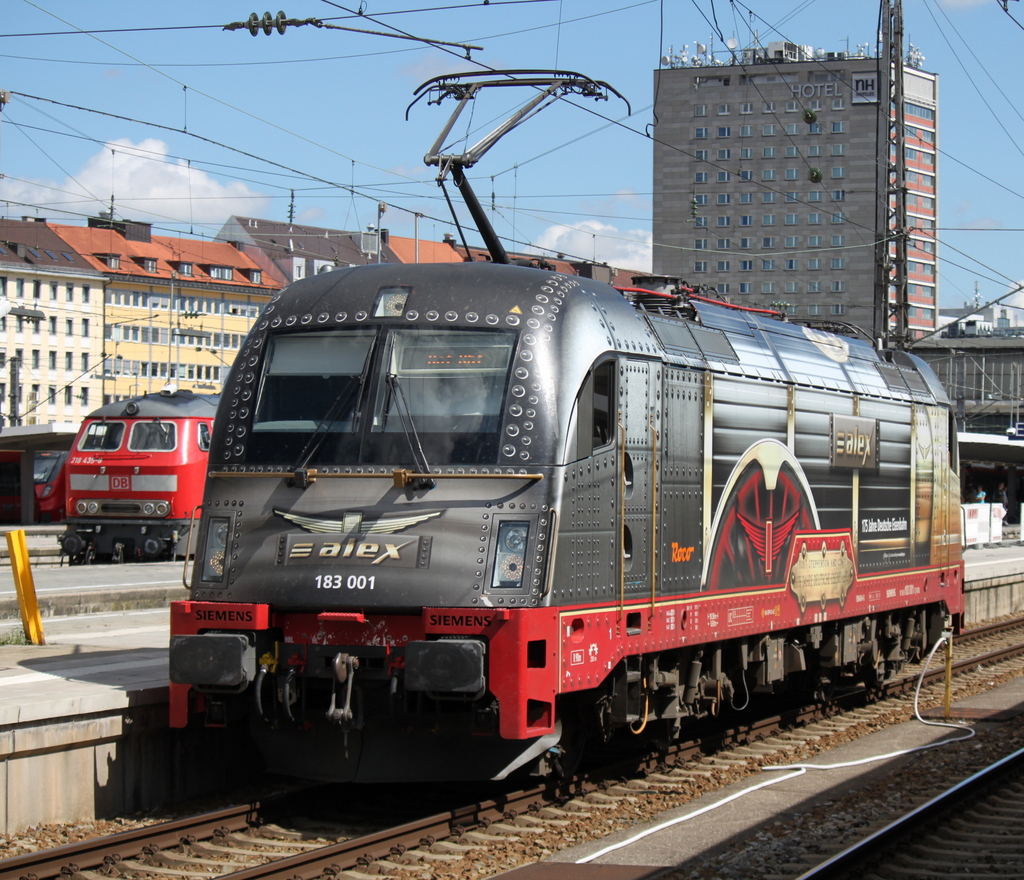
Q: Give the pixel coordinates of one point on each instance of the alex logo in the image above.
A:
(369, 550)
(354, 550)
(854, 442)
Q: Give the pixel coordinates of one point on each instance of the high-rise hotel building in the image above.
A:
(765, 182)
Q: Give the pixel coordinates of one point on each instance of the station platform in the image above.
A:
(83, 719)
(83, 725)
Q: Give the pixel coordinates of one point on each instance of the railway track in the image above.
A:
(270, 841)
(970, 830)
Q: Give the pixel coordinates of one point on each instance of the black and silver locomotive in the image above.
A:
(460, 518)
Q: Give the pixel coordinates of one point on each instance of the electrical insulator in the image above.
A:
(268, 23)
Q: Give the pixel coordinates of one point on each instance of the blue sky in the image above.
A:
(322, 112)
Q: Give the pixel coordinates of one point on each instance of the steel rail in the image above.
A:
(851, 861)
(95, 852)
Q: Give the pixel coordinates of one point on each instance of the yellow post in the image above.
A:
(25, 586)
(949, 673)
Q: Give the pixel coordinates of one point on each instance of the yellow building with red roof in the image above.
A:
(174, 310)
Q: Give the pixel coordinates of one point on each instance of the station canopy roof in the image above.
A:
(989, 449)
(33, 438)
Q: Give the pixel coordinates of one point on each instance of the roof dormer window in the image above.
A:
(185, 269)
(148, 264)
(113, 261)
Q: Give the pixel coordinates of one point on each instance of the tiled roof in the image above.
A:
(34, 244)
(168, 252)
(429, 251)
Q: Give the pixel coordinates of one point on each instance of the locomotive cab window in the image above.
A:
(446, 387)
(155, 436)
(594, 411)
(311, 381)
(102, 437)
(204, 436)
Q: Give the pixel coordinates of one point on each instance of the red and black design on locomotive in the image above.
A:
(135, 477)
(460, 518)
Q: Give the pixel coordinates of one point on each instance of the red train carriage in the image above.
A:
(135, 476)
(460, 519)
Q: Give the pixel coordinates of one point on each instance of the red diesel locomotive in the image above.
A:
(135, 477)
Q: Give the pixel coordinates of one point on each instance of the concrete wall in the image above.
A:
(104, 765)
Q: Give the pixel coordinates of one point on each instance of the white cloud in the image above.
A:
(146, 185)
(591, 239)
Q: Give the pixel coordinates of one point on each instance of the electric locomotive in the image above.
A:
(460, 519)
(135, 477)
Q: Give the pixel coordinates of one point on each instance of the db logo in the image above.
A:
(120, 483)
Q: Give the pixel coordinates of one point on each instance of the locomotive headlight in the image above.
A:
(217, 533)
(509, 558)
(148, 508)
(162, 508)
(47, 491)
(514, 537)
(81, 507)
(93, 507)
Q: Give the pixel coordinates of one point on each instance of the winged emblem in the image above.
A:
(353, 523)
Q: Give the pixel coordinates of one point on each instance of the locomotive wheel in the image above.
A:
(826, 686)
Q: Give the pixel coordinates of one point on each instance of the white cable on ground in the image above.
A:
(799, 770)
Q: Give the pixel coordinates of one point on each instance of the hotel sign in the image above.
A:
(865, 87)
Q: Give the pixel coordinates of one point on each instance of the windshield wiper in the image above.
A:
(409, 429)
(320, 432)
